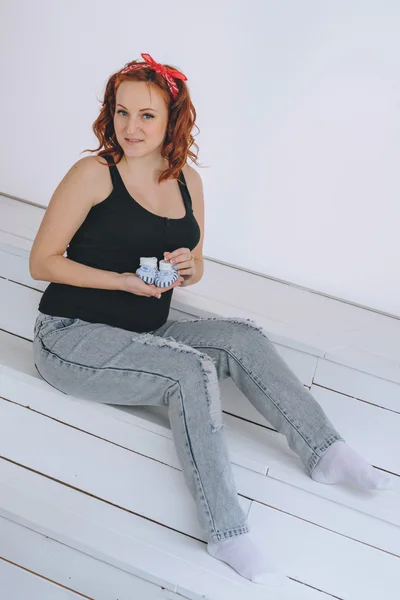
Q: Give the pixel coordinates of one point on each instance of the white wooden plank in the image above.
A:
(373, 432)
(361, 385)
(14, 266)
(18, 584)
(377, 341)
(17, 353)
(68, 567)
(18, 308)
(121, 539)
(367, 361)
(15, 250)
(291, 591)
(19, 218)
(323, 512)
(104, 543)
(325, 560)
(15, 240)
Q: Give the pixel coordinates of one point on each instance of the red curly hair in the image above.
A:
(181, 119)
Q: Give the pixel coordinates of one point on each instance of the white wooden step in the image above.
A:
(17, 583)
(47, 559)
(126, 541)
(346, 571)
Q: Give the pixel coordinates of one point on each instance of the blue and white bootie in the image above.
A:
(148, 269)
(166, 275)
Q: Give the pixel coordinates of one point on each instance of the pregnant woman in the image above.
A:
(103, 334)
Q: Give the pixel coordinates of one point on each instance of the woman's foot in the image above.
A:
(341, 464)
(244, 556)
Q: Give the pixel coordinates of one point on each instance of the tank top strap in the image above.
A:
(185, 191)
(114, 173)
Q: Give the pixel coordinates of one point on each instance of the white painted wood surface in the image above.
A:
(86, 576)
(124, 540)
(19, 584)
(70, 467)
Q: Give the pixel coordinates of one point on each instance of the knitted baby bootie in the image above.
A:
(166, 275)
(148, 269)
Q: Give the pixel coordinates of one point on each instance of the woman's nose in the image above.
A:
(132, 127)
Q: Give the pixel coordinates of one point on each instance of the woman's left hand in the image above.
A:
(184, 262)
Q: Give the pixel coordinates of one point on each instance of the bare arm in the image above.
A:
(68, 208)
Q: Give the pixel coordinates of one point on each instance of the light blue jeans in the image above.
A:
(180, 365)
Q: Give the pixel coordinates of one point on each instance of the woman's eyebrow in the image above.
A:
(140, 109)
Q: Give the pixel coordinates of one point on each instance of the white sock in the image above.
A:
(341, 464)
(243, 555)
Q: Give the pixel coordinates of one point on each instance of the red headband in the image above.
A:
(169, 74)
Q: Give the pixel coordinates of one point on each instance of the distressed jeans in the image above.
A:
(179, 365)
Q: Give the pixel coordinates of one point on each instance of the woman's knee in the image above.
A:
(237, 332)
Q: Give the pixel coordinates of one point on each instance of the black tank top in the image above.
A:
(113, 237)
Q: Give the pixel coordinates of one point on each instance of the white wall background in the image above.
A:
(298, 105)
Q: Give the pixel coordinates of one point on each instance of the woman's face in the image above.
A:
(140, 113)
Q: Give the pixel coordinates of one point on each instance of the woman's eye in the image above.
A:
(145, 114)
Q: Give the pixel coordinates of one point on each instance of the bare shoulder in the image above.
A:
(87, 167)
(85, 181)
(93, 164)
(97, 176)
(192, 176)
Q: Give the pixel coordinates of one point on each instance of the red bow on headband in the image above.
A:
(169, 74)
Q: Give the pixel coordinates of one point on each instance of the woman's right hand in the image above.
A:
(130, 282)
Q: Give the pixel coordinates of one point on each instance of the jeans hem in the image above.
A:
(317, 455)
(228, 533)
